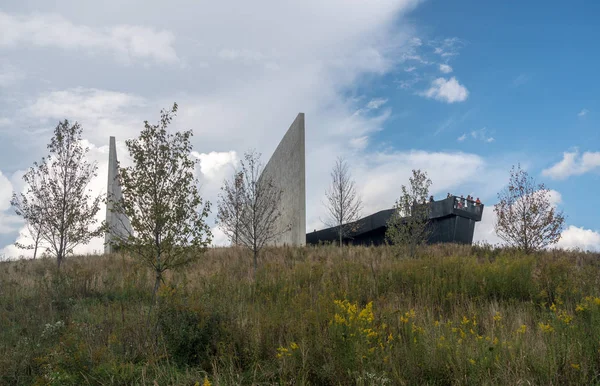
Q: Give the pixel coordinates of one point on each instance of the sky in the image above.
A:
(462, 90)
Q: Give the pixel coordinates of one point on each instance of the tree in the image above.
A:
(343, 203)
(409, 226)
(36, 236)
(231, 206)
(160, 198)
(526, 216)
(250, 207)
(57, 203)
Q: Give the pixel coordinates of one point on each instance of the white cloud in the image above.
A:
(9, 74)
(219, 238)
(446, 90)
(573, 165)
(482, 135)
(410, 69)
(462, 137)
(408, 83)
(212, 164)
(6, 191)
(376, 103)
(101, 113)
(581, 238)
(126, 42)
(446, 69)
(359, 143)
(243, 54)
(233, 106)
(382, 174)
(447, 47)
(583, 112)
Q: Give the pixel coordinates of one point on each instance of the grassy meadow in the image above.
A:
(314, 315)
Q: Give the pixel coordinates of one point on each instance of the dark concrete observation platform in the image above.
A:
(452, 220)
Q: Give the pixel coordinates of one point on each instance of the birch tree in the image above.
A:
(250, 206)
(343, 202)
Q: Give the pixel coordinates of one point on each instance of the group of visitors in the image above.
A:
(460, 202)
(465, 203)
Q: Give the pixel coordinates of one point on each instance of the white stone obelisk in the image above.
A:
(118, 224)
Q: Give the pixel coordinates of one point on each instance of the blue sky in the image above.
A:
(461, 89)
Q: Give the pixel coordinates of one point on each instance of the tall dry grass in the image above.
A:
(314, 315)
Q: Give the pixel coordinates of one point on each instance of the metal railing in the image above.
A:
(467, 205)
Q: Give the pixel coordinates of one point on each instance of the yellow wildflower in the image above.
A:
(465, 320)
(472, 361)
(416, 329)
(553, 307)
(367, 313)
(497, 317)
(565, 317)
(495, 341)
(436, 323)
(575, 366)
(546, 327)
(283, 352)
(293, 346)
(579, 308)
(522, 329)
(206, 382)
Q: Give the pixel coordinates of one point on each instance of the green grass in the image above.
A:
(314, 315)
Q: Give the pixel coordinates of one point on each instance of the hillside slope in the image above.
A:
(314, 315)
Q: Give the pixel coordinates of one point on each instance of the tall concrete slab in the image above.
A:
(288, 170)
(118, 224)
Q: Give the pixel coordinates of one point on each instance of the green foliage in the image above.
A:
(57, 205)
(190, 335)
(314, 315)
(161, 199)
(409, 226)
(526, 217)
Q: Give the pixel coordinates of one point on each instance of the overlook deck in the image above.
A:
(452, 219)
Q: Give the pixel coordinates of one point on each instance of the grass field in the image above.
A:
(315, 315)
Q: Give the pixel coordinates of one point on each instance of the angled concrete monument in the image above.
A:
(287, 168)
(118, 224)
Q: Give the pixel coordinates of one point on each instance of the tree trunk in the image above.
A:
(156, 285)
(154, 299)
(255, 262)
(37, 243)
